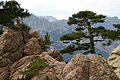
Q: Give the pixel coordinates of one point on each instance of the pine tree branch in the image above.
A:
(86, 52)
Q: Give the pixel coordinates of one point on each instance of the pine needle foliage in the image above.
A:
(1, 31)
(36, 64)
(47, 41)
(47, 78)
(86, 35)
(11, 13)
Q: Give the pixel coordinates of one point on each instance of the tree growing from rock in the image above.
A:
(47, 41)
(11, 12)
(86, 35)
(35, 65)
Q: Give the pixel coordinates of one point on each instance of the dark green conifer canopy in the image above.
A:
(86, 35)
(10, 12)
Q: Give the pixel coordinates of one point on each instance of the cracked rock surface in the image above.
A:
(88, 67)
(114, 60)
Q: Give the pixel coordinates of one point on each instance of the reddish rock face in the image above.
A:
(18, 48)
(34, 34)
(16, 44)
(11, 45)
(53, 70)
(4, 73)
(56, 55)
(114, 60)
(88, 67)
(35, 45)
(32, 47)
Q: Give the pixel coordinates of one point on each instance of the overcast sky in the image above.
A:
(62, 9)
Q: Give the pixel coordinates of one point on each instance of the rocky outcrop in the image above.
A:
(34, 34)
(16, 44)
(11, 47)
(114, 60)
(4, 73)
(56, 55)
(53, 70)
(88, 67)
(18, 50)
(34, 45)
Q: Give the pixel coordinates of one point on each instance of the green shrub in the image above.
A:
(47, 41)
(1, 31)
(114, 68)
(35, 65)
(25, 27)
(47, 78)
(74, 79)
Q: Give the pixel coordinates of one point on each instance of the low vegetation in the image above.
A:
(35, 65)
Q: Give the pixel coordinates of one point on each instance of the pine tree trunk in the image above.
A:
(21, 20)
(92, 47)
(92, 44)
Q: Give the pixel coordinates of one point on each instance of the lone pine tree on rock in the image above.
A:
(86, 35)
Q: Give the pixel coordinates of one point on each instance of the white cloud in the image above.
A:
(65, 8)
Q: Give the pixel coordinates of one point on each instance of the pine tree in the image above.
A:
(47, 42)
(86, 35)
(11, 12)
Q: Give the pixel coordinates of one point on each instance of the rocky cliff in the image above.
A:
(88, 67)
(114, 60)
(17, 51)
(22, 57)
(14, 45)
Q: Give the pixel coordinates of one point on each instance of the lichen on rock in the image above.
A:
(88, 67)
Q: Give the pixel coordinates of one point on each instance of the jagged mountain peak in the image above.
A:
(49, 18)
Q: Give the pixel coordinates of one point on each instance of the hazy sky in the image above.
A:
(62, 9)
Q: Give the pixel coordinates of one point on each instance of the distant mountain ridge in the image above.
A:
(46, 24)
(49, 18)
(57, 28)
(109, 21)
